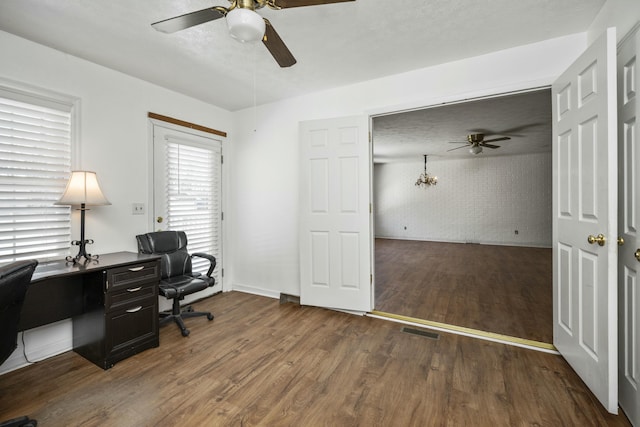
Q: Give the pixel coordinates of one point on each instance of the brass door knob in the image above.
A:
(159, 219)
(637, 254)
(599, 239)
(620, 241)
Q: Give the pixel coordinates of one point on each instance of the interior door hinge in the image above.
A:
(221, 159)
(222, 272)
(370, 208)
(371, 279)
(370, 136)
(222, 216)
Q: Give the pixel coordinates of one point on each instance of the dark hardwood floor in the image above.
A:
(261, 363)
(501, 289)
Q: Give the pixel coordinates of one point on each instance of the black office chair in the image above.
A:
(14, 280)
(177, 279)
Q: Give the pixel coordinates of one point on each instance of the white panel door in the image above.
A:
(628, 222)
(335, 238)
(584, 204)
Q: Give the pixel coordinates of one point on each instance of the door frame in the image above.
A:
(151, 123)
(470, 97)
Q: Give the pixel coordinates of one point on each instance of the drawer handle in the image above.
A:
(134, 289)
(133, 310)
(137, 268)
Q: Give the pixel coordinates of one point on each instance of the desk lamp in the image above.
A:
(82, 189)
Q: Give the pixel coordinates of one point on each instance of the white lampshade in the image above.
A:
(245, 25)
(82, 188)
(475, 149)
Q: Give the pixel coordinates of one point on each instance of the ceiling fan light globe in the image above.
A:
(245, 25)
(475, 150)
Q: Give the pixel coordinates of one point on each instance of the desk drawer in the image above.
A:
(132, 275)
(130, 330)
(127, 295)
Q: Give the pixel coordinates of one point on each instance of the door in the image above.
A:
(335, 217)
(187, 190)
(585, 220)
(628, 221)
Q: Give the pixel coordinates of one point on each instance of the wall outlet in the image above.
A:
(137, 209)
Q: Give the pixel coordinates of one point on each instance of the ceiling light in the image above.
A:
(476, 149)
(425, 180)
(245, 25)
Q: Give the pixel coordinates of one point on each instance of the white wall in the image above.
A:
(622, 14)
(263, 208)
(477, 200)
(113, 141)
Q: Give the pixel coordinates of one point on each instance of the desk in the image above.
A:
(113, 303)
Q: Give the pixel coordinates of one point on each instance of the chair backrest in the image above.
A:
(171, 246)
(14, 280)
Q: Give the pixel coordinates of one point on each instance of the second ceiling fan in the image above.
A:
(477, 141)
(244, 23)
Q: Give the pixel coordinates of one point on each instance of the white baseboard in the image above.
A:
(40, 343)
(256, 291)
(517, 244)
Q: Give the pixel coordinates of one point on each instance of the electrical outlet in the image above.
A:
(137, 209)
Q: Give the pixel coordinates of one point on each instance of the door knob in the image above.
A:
(159, 219)
(637, 254)
(599, 239)
(620, 241)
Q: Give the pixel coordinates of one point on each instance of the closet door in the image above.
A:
(629, 221)
(335, 214)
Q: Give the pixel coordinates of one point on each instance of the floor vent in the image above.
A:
(421, 332)
(285, 298)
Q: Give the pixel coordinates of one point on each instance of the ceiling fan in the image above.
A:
(477, 141)
(244, 23)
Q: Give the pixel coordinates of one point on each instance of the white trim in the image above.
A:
(255, 291)
(487, 93)
(466, 334)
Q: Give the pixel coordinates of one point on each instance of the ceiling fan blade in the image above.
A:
(182, 22)
(458, 142)
(276, 46)
(504, 138)
(285, 4)
(484, 144)
(457, 148)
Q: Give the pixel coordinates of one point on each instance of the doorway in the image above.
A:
(187, 191)
(474, 250)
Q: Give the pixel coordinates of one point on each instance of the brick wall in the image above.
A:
(477, 199)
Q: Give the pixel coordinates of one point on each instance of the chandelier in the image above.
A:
(425, 180)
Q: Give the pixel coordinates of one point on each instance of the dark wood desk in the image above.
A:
(112, 301)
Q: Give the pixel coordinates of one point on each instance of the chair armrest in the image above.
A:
(211, 258)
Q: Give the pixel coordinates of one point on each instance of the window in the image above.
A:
(35, 161)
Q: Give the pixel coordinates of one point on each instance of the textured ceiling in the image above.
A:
(407, 136)
(335, 44)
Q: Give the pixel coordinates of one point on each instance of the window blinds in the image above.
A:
(193, 181)
(35, 161)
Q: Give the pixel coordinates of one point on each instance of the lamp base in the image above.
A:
(82, 242)
(82, 253)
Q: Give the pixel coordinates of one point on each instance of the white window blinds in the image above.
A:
(192, 186)
(35, 161)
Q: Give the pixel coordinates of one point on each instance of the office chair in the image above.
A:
(177, 279)
(14, 280)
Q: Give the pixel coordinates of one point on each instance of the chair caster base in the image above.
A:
(210, 316)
